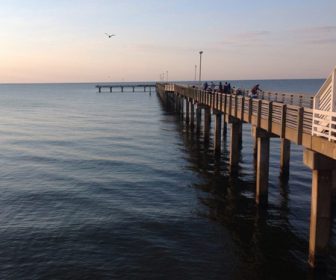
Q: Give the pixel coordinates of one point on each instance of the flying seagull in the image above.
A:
(110, 35)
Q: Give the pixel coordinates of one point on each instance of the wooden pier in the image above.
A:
(121, 87)
(270, 116)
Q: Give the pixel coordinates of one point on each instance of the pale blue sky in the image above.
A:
(64, 41)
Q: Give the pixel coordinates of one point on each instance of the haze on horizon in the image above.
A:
(65, 41)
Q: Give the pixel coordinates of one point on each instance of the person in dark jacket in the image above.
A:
(255, 90)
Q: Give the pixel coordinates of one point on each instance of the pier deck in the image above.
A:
(289, 119)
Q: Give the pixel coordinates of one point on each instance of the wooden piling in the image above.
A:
(284, 157)
(262, 169)
(187, 104)
(207, 122)
(218, 132)
(234, 143)
(320, 213)
(198, 119)
(192, 115)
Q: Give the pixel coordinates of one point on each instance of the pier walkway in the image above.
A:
(121, 87)
(290, 117)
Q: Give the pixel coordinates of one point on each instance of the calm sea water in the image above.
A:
(115, 186)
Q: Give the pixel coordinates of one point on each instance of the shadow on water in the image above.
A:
(267, 246)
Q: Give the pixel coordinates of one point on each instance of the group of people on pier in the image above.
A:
(226, 88)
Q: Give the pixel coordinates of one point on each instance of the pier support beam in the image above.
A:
(218, 132)
(182, 107)
(187, 111)
(224, 126)
(284, 157)
(255, 142)
(177, 103)
(198, 119)
(192, 115)
(320, 212)
(207, 122)
(234, 143)
(263, 142)
(240, 136)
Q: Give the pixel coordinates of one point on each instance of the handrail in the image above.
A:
(286, 115)
(324, 109)
(299, 99)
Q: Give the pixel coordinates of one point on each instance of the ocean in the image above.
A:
(116, 186)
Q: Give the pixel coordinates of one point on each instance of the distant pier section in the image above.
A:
(121, 87)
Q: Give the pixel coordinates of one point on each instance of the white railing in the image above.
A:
(324, 109)
(169, 87)
(324, 124)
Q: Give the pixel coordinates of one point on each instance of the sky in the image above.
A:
(65, 41)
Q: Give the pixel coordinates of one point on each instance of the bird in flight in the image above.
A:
(110, 35)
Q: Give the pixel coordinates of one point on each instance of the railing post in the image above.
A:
(225, 104)
(230, 104)
(236, 106)
(242, 108)
(299, 125)
(221, 102)
(250, 110)
(283, 121)
(270, 113)
(259, 113)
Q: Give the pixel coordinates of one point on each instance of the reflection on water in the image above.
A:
(272, 242)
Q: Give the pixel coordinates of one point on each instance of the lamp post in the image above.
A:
(195, 72)
(200, 68)
(167, 75)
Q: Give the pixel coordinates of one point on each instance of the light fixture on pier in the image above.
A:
(195, 73)
(200, 68)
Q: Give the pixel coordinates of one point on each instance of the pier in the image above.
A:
(121, 87)
(293, 118)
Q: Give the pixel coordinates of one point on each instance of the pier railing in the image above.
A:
(324, 124)
(324, 112)
(292, 122)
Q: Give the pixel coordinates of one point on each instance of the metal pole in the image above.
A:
(200, 68)
(195, 72)
(167, 75)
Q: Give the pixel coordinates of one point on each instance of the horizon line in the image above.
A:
(156, 81)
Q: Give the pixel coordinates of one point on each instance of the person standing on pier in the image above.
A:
(213, 86)
(220, 88)
(255, 90)
(205, 86)
(226, 88)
